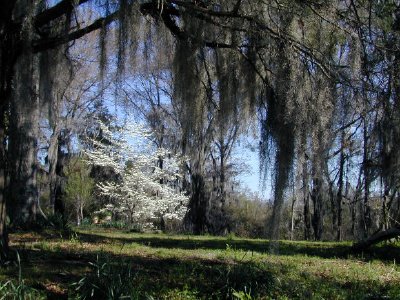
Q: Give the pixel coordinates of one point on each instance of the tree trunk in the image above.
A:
(8, 54)
(317, 219)
(339, 197)
(307, 214)
(3, 215)
(81, 211)
(283, 163)
(197, 216)
(78, 211)
(24, 126)
(292, 217)
(317, 194)
(223, 223)
(52, 157)
(364, 205)
(306, 192)
(198, 204)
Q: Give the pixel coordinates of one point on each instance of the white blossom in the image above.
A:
(144, 190)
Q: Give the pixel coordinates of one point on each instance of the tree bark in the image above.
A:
(317, 219)
(7, 58)
(285, 150)
(292, 218)
(364, 205)
(339, 197)
(198, 204)
(3, 229)
(52, 157)
(23, 127)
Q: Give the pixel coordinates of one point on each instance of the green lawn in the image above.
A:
(158, 266)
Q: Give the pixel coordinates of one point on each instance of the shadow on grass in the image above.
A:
(199, 278)
(320, 249)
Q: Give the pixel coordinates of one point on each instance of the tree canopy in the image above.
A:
(321, 76)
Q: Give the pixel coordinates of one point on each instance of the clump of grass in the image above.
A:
(107, 280)
(19, 290)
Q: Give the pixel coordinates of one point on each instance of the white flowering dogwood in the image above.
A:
(144, 190)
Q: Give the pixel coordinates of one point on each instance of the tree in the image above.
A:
(79, 187)
(144, 190)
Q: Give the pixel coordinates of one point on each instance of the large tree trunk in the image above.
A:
(317, 194)
(285, 148)
(305, 189)
(317, 219)
(197, 217)
(198, 204)
(7, 58)
(23, 127)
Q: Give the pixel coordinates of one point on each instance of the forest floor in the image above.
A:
(106, 264)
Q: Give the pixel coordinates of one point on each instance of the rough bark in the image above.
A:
(23, 131)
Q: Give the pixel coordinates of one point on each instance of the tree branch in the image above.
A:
(51, 43)
(56, 11)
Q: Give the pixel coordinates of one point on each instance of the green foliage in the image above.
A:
(107, 280)
(79, 182)
(79, 187)
(115, 224)
(11, 290)
(247, 216)
(242, 295)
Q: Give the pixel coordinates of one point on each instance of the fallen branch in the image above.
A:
(376, 238)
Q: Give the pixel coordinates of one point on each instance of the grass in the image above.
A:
(107, 264)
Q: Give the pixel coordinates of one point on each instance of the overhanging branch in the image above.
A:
(51, 43)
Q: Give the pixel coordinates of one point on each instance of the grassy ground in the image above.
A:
(158, 266)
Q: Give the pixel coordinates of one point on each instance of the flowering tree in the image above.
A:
(144, 190)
